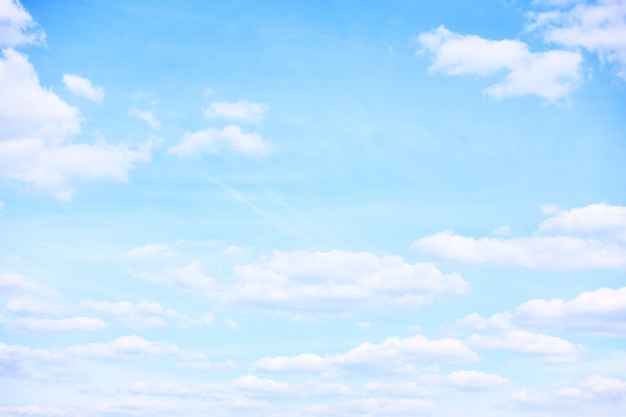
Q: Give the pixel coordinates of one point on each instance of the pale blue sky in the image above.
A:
(333, 209)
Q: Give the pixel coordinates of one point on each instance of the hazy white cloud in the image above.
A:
(82, 87)
(392, 355)
(209, 366)
(17, 27)
(375, 407)
(146, 116)
(231, 324)
(502, 231)
(338, 281)
(599, 312)
(241, 111)
(34, 146)
(213, 140)
(27, 306)
(149, 251)
(34, 410)
(262, 385)
(550, 74)
(499, 321)
(364, 325)
(58, 325)
(598, 26)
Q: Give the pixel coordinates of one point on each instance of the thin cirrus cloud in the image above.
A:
(550, 75)
(82, 87)
(558, 250)
(375, 407)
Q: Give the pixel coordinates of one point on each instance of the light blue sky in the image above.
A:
(334, 209)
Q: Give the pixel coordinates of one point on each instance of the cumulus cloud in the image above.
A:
(552, 248)
(82, 87)
(146, 116)
(338, 281)
(125, 347)
(500, 332)
(375, 407)
(596, 392)
(17, 27)
(599, 312)
(262, 385)
(213, 140)
(241, 111)
(58, 325)
(149, 251)
(17, 283)
(550, 75)
(598, 26)
(470, 380)
(392, 355)
(37, 125)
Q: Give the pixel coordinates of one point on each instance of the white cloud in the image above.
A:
(27, 306)
(146, 116)
(502, 231)
(1, 205)
(599, 27)
(338, 281)
(242, 111)
(209, 366)
(82, 87)
(401, 389)
(125, 347)
(231, 324)
(189, 278)
(599, 312)
(550, 75)
(549, 208)
(392, 355)
(17, 283)
(585, 397)
(17, 27)
(149, 251)
(473, 380)
(364, 325)
(375, 407)
(34, 146)
(594, 218)
(549, 348)
(58, 325)
(262, 385)
(34, 410)
(212, 140)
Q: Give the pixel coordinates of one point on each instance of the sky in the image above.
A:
(313, 209)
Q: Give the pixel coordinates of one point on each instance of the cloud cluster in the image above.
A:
(598, 27)
(392, 355)
(559, 250)
(550, 75)
(17, 27)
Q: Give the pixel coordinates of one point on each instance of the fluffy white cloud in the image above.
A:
(598, 26)
(549, 252)
(242, 111)
(401, 389)
(473, 380)
(375, 407)
(598, 312)
(392, 355)
(549, 348)
(499, 321)
(189, 278)
(27, 306)
(212, 140)
(149, 251)
(17, 283)
(592, 219)
(34, 146)
(261, 385)
(57, 325)
(592, 394)
(125, 347)
(82, 87)
(550, 75)
(17, 26)
(146, 116)
(338, 281)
